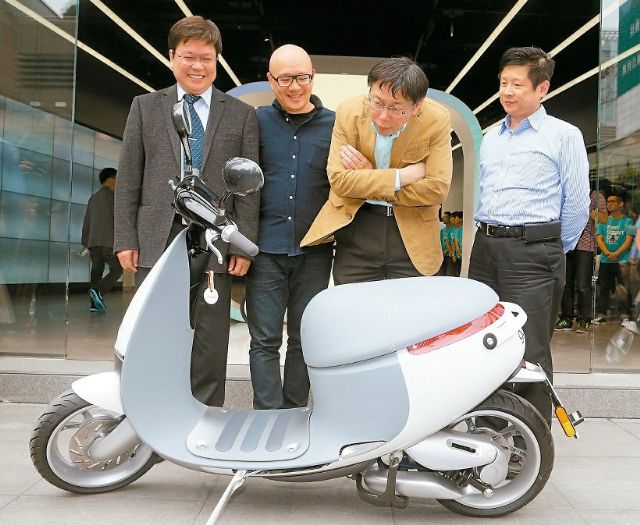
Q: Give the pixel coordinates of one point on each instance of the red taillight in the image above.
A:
(452, 336)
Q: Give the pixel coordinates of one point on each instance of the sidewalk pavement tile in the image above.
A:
(80, 510)
(608, 517)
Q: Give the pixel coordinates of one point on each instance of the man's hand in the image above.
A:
(238, 265)
(412, 173)
(352, 159)
(612, 256)
(129, 260)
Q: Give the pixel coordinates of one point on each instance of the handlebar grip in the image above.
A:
(242, 243)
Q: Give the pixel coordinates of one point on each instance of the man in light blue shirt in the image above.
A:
(534, 204)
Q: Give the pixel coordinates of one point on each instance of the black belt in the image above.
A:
(532, 232)
(378, 209)
(497, 230)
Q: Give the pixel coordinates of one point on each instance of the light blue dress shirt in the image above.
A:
(382, 155)
(538, 172)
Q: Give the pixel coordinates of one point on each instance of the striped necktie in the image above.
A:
(196, 139)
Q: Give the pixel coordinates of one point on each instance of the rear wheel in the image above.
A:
(522, 434)
(60, 446)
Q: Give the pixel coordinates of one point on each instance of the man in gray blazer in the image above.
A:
(97, 237)
(145, 222)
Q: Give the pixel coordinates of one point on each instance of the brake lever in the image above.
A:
(210, 237)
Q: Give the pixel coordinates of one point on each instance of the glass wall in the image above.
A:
(48, 171)
(616, 337)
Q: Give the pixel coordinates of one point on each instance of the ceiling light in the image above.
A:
(496, 32)
(565, 43)
(129, 30)
(69, 38)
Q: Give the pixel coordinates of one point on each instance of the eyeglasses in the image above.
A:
(287, 80)
(191, 60)
(379, 106)
(613, 201)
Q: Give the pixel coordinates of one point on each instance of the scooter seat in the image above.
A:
(355, 322)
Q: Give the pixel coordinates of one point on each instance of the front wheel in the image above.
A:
(60, 445)
(520, 431)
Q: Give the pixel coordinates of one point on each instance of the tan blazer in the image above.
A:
(427, 138)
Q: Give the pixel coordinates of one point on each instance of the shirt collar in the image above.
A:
(206, 96)
(392, 136)
(534, 120)
(313, 99)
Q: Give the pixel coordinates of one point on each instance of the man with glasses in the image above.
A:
(615, 237)
(295, 133)
(145, 223)
(390, 169)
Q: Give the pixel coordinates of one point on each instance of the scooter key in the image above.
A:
(210, 293)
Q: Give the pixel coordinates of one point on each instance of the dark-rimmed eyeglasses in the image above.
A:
(191, 60)
(379, 106)
(287, 80)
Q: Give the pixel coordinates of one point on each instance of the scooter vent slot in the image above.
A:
(231, 430)
(248, 435)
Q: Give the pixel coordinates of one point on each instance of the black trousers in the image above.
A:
(211, 329)
(371, 249)
(101, 256)
(609, 276)
(578, 282)
(531, 275)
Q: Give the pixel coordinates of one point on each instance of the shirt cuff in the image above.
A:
(398, 187)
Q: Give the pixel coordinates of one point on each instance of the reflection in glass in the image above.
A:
(25, 171)
(24, 217)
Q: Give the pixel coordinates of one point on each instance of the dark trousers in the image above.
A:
(446, 260)
(101, 256)
(275, 283)
(609, 275)
(532, 276)
(211, 329)
(371, 249)
(454, 268)
(578, 282)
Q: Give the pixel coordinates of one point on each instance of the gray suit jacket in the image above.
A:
(150, 157)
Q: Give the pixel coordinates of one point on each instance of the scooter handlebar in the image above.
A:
(231, 235)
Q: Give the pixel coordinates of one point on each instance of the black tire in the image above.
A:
(539, 454)
(60, 470)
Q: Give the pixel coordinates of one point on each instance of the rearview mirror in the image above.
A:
(242, 176)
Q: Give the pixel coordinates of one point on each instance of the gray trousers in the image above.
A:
(531, 275)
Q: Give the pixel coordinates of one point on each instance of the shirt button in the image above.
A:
(291, 196)
(288, 218)
(293, 176)
(294, 137)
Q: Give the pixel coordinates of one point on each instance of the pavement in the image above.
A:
(595, 480)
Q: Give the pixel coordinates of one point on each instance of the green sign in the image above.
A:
(629, 36)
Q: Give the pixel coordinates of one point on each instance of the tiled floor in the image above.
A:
(595, 481)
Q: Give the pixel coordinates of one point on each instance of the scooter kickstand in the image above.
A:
(388, 498)
(236, 482)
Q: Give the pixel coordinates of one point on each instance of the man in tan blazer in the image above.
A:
(389, 169)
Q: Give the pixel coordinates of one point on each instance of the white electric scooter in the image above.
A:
(405, 377)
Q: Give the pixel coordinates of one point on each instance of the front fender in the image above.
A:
(102, 390)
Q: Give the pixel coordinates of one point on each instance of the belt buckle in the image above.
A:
(491, 230)
(389, 211)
